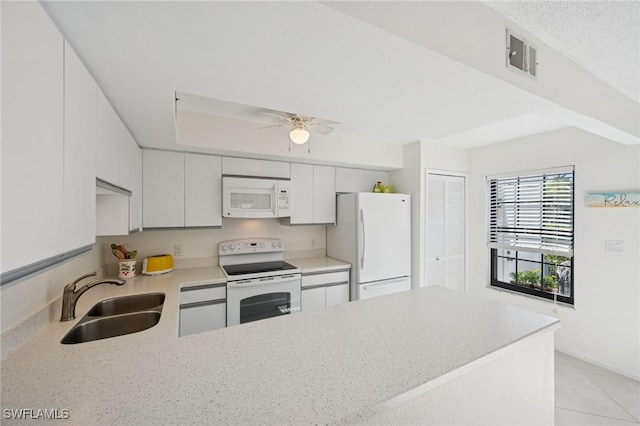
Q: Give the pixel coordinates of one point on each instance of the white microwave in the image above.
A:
(246, 197)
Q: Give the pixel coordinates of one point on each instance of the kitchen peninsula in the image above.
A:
(428, 356)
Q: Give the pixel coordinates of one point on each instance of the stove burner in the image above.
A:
(256, 268)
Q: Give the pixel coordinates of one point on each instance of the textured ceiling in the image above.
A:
(601, 36)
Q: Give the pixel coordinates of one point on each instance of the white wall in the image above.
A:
(604, 325)
(408, 179)
(21, 299)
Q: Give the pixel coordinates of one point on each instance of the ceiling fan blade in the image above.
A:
(321, 128)
(277, 114)
(274, 125)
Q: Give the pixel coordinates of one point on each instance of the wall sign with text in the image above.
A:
(612, 199)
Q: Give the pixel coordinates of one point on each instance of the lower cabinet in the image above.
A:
(203, 308)
(324, 289)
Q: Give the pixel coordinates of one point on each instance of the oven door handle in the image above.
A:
(262, 281)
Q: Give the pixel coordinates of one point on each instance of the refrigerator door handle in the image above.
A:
(384, 284)
(363, 240)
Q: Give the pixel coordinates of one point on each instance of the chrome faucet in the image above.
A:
(70, 295)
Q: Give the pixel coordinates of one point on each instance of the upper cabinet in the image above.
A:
(181, 190)
(358, 180)
(313, 194)
(108, 140)
(32, 135)
(118, 160)
(79, 207)
(202, 190)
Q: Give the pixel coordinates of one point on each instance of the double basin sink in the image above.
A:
(116, 317)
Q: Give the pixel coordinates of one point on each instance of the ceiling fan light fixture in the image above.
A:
(299, 134)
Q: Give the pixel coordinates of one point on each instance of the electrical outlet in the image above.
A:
(177, 250)
(614, 246)
(313, 243)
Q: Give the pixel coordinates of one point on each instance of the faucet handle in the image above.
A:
(90, 274)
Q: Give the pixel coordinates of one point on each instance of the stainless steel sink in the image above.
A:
(126, 304)
(105, 327)
(116, 317)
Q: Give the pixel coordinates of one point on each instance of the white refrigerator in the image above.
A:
(373, 234)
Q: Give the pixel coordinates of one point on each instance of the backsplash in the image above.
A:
(200, 246)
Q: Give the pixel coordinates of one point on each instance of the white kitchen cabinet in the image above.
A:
(313, 298)
(323, 289)
(203, 190)
(203, 308)
(181, 190)
(301, 194)
(358, 180)
(163, 189)
(32, 135)
(324, 194)
(79, 206)
(130, 177)
(337, 294)
(259, 168)
(313, 194)
(108, 136)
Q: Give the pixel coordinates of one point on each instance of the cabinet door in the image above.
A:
(337, 294)
(312, 298)
(107, 140)
(79, 145)
(202, 317)
(32, 135)
(445, 260)
(324, 194)
(130, 177)
(203, 190)
(135, 185)
(163, 189)
(301, 193)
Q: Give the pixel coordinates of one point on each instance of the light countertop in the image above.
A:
(313, 265)
(322, 366)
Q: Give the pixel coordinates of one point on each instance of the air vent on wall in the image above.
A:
(521, 55)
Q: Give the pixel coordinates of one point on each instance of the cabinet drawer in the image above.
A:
(325, 278)
(197, 319)
(203, 293)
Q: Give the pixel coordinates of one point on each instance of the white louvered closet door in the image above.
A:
(445, 262)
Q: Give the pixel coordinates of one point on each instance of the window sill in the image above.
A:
(529, 296)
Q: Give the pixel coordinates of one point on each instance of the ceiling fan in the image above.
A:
(300, 125)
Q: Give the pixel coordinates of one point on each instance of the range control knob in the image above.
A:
(223, 247)
(231, 246)
(273, 244)
(280, 244)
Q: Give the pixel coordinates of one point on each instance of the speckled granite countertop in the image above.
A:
(317, 367)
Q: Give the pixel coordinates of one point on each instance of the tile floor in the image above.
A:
(590, 395)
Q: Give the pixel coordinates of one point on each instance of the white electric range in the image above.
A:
(260, 284)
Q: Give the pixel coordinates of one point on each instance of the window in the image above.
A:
(531, 233)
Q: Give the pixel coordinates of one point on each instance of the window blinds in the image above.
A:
(533, 212)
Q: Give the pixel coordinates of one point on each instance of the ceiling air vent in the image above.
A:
(521, 55)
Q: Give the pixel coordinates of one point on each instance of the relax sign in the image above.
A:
(612, 199)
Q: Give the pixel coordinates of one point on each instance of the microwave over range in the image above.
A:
(248, 197)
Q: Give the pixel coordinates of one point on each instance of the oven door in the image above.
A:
(261, 298)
